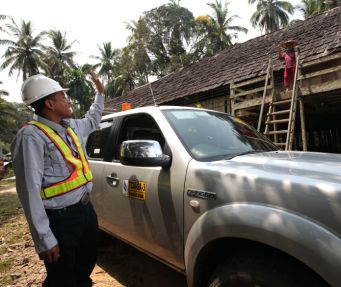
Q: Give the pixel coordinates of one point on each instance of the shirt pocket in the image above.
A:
(55, 164)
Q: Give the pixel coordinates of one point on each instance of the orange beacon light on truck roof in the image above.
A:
(125, 106)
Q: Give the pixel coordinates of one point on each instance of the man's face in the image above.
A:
(62, 105)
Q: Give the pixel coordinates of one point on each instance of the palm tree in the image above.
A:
(25, 54)
(271, 15)
(81, 89)
(59, 55)
(168, 30)
(107, 60)
(313, 7)
(203, 45)
(135, 58)
(222, 25)
(3, 92)
(179, 25)
(310, 7)
(3, 17)
(115, 87)
(329, 4)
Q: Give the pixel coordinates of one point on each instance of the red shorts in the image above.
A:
(289, 75)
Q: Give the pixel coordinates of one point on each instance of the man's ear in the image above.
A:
(49, 104)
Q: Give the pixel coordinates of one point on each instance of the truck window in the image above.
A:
(139, 127)
(96, 141)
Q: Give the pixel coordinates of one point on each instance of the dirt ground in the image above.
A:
(118, 264)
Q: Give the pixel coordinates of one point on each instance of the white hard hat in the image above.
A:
(38, 87)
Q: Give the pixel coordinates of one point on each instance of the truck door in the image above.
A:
(144, 205)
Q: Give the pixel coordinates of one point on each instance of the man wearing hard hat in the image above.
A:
(53, 181)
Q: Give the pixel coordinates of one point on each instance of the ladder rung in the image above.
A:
(278, 121)
(281, 102)
(279, 113)
(278, 132)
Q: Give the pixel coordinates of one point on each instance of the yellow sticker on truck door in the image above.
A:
(134, 188)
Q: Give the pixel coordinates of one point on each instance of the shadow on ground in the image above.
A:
(132, 268)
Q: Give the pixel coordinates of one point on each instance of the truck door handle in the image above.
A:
(112, 180)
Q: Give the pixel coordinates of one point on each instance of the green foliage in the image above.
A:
(81, 90)
(329, 4)
(3, 92)
(271, 15)
(204, 43)
(135, 60)
(167, 30)
(313, 7)
(25, 54)
(215, 33)
(162, 40)
(168, 37)
(107, 61)
(12, 118)
(58, 56)
(222, 24)
(310, 7)
(9, 172)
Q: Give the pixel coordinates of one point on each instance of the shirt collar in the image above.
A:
(59, 128)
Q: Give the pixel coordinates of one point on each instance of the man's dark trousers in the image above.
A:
(76, 230)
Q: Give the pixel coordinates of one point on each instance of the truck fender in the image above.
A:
(298, 236)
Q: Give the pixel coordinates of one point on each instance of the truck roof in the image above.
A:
(150, 109)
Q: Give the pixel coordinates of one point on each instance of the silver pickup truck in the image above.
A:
(207, 195)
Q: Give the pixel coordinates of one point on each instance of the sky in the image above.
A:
(93, 22)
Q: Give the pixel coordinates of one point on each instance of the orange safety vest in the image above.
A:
(81, 174)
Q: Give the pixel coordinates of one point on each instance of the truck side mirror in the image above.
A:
(143, 153)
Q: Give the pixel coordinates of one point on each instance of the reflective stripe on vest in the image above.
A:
(81, 174)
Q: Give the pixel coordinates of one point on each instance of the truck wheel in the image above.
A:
(263, 271)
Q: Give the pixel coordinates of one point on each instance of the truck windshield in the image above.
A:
(209, 135)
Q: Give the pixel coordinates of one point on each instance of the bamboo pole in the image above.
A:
(303, 130)
(264, 94)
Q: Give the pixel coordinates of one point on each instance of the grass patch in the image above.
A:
(9, 172)
(3, 250)
(9, 206)
(13, 228)
(7, 183)
(6, 264)
(6, 280)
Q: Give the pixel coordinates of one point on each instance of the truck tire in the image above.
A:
(262, 270)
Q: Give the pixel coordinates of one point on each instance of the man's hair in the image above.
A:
(39, 105)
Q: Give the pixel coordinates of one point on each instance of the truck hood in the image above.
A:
(322, 166)
(301, 182)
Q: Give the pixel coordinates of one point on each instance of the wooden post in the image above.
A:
(232, 98)
(273, 107)
(303, 130)
(264, 94)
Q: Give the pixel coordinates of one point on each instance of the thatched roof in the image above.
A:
(318, 37)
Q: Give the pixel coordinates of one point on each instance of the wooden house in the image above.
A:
(237, 81)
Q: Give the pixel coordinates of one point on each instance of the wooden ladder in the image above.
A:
(269, 75)
(280, 119)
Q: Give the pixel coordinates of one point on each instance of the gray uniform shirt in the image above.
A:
(38, 163)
